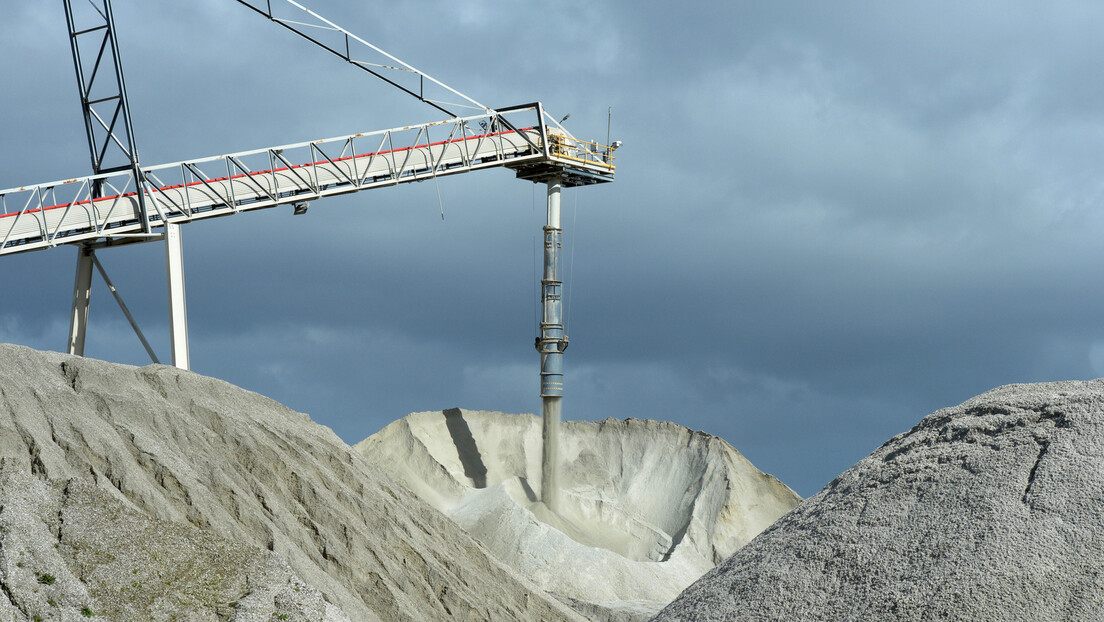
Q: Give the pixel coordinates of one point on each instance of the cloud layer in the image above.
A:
(828, 220)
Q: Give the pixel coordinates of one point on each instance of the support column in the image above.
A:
(178, 315)
(551, 345)
(82, 296)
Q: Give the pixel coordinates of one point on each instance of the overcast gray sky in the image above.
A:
(829, 219)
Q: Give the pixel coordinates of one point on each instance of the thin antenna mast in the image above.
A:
(609, 121)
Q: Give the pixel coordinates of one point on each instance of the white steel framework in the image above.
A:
(123, 202)
(68, 211)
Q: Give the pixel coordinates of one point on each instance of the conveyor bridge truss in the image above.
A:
(523, 138)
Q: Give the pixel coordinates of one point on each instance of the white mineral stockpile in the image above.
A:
(645, 507)
(157, 494)
(992, 510)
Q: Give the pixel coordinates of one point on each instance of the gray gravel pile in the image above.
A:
(152, 493)
(70, 551)
(991, 510)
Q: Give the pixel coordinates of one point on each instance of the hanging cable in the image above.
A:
(439, 201)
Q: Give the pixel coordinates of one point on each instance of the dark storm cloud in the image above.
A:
(828, 220)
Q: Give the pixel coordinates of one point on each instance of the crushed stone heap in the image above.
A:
(645, 507)
(157, 494)
(992, 510)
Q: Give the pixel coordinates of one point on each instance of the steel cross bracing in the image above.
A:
(102, 89)
(69, 212)
(103, 93)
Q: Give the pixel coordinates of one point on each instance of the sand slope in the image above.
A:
(646, 507)
(71, 551)
(992, 510)
(140, 469)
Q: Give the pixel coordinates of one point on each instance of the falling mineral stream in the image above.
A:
(550, 468)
